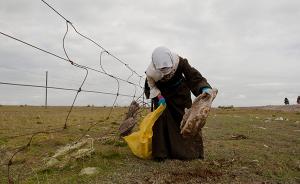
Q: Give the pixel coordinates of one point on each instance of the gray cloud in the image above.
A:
(250, 50)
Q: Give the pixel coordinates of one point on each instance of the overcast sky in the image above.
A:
(249, 50)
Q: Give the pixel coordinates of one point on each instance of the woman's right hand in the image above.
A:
(161, 100)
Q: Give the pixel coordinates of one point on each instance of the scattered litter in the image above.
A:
(296, 130)
(216, 163)
(195, 117)
(262, 128)
(268, 120)
(256, 117)
(71, 151)
(297, 122)
(130, 119)
(298, 164)
(88, 171)
(256, 162)
(238, 137)
(266, 146)
(279, 119)
(52, 162)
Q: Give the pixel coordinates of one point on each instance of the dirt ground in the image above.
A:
(242, 145)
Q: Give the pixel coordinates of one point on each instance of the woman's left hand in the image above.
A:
(207, 91)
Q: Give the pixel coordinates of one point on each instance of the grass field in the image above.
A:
(242, 145)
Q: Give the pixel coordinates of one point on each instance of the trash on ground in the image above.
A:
(268, 120)
(195, 117)
(279, 119)
(88, 171)
(238, 137)
(130, 119)
(73, 151)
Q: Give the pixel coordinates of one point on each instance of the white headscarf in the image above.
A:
(163, 63)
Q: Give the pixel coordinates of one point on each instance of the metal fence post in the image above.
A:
(46, 99)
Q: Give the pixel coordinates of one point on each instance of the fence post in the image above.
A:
(46, 99)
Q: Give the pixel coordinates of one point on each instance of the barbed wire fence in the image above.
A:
(87, 69)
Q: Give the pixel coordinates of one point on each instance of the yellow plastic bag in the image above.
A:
(140, 142)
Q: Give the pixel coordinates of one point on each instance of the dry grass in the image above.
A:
(241, 146)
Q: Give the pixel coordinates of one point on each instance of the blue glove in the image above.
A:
(161, 100)
(207, 90)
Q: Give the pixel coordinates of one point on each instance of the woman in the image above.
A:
(170, 79)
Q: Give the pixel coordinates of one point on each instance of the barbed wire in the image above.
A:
(61, 88)
(86, 69)
(62, 79)
(65, 59)
(91, 40)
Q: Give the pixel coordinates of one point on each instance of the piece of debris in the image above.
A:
(296, 130)
(130, 119)
(71, 151)
(194, 118)
(262, 128)
(216, 163)
(298, 165)
(88, 171)
(279, 119)
(266, 146)
(238, 137)
(268, 120)
(52, 162)
(297, 122)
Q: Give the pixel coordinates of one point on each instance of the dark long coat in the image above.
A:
(167, 141)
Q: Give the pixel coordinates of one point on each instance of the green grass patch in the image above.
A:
(269, 154)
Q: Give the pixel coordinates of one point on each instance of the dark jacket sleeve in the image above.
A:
(147, 89)
(194, 79)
